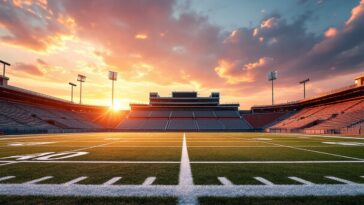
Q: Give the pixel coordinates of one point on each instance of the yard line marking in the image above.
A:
(185, 174)
(193, 162)
(112, 181)
(322, 136)
(277, 162)
(9, 162)
(38, 180)
(91, 147)
(6, 178)
(149, 181)
(185, 180)
(314, 151)
(174, 191)
(302, 181)
(98, 162)
(264, 181)
(225, 181)
(340, 180)
(74, 181)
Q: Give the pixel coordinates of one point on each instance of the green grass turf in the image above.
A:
(167, 146)
(96, 173)
(353, 200)
(351, 151)
(277, 173)
(132, 153)
(42, 200)
(254, 153)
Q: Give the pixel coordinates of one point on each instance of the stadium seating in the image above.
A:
(182, 114)
(182, 125)
(160, 114)
(235, 124)
(19, 116)
(329, 118)
(204, 114)
(210, 125)
(230, 114)
(261, 120)
(155, 125)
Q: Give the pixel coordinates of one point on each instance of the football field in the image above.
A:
(181, 168)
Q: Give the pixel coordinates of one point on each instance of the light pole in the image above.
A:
(113, 77)
(5, 64)
(72, 85)
(272, 76)
(304, 87)
(81, 79)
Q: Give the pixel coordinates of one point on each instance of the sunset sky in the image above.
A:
(198, 45)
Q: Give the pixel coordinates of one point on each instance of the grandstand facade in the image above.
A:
(340, 111)
(184, 111)
(24, 111)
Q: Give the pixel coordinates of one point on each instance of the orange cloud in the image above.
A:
(265, 61)
(356, 12)
(225, 69)
(331, 32)
(141, 36)
(269, 23)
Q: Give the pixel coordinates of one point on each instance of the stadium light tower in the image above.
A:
(272, 76)
(5, 64)
(304, 87)
(81, 79)
(113, 77)
(72, 85)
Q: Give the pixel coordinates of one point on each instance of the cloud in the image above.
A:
(28, 68)
(145, 41)
(30, 24)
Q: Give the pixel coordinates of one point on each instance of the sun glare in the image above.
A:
(116, 107)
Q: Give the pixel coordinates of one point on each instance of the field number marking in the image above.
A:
(47, 156)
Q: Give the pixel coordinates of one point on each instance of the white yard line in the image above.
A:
(340, 180)
(6, 178)
(112, 181)
(38, 180)
(225, 181)
(149, 181)
(185, 181)
(314, 151)
(264, 181)
(175, 191)
(8, 162)
(302, 181)
(178, 162)
(308, 150)
(74, 181)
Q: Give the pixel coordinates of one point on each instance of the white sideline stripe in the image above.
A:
(314, 151)
(85, 148)
(6, 178)
(178, 191)
(225, 181)
(340, 180)
(74, 181)
(193, 162)
(38, 180)
(9, 162)
(112, 181)
(149, 181)
(264, 181)
(185, 180)
(302, 181)
(98, 162)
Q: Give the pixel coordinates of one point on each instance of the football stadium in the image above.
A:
(186, 147)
